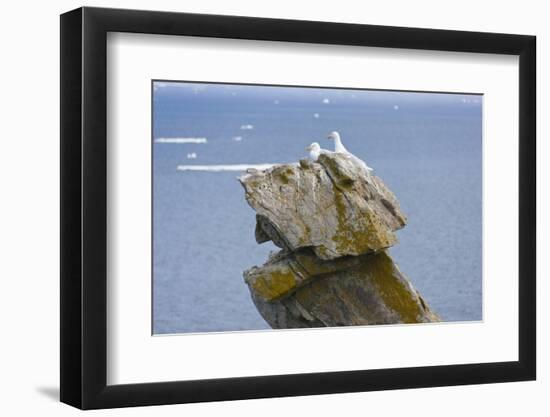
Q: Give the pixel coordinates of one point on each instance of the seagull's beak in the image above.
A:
(308, 148)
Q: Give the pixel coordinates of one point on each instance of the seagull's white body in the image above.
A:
(338, 145)
(314, 151)
(340, 148)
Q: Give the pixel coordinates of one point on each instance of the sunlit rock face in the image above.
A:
(333, 222)
(332, 207)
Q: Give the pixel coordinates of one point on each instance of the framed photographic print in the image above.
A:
(258, 207)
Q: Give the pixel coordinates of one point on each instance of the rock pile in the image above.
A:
(333, 223)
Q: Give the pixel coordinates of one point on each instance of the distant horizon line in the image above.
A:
(172, 81)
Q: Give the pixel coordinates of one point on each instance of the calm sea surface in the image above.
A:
(427, 148)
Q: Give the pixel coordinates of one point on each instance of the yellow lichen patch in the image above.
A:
(282, 174)
(272, 283)
(341, 238)
(305, 237)
(371, 291)
(254, 184)
(393, 289)
(361, 235)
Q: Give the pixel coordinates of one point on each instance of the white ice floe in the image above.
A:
(396, 107)
(237, 138)
(222, 168)
(247, 127)
(326, 101)
(181, 140)
(316, 115)
(192, 155)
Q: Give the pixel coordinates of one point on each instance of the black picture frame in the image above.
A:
(84, 207)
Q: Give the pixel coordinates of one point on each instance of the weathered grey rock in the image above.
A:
(299, 290)
(331, 206)
(333, 222)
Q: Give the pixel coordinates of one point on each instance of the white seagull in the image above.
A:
(314, 151)
(340, 148)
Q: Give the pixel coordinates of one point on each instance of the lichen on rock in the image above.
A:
(364, 290)
(334, 223)
(330, 206)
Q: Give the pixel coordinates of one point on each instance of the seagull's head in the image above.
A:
(334, 136)
(313, 147)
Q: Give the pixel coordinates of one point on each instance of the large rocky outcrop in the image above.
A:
(333, 223)
(330, 206)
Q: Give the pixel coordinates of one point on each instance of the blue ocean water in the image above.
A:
(426, 147)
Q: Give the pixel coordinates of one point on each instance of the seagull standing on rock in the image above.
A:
(340, 148)
(314, 151)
